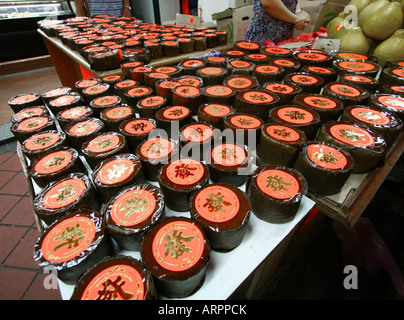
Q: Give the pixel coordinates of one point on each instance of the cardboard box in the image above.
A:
(188, 20)
(240, 3)
(330, 10)
(234, 21)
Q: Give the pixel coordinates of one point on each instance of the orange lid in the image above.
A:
(118, 112)
(217, 203)
(139, 126)
(41, 141)
(217, 110)
(326, 157)
(278, 184)
(185, 172)
(33, 123)
(178, 245)
(392, 102)
(103, 143)
(245, 121)
(176, 112)
(53, 162)
(295, 115)
(84, 128)
(320, 102)
(228, 155)
(283, 133)
(115, 171)
(64, 193)
(68, 238)
(352, 135)
(197, 132)
(257, 97)
(345, 90)
(156, 148)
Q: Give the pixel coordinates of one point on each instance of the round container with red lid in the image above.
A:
(256, 102)
(154, 152)
(42, 142)
(176, 250)
(188, 96)
(300, 117)
(49, 166)
(147, 107)
(365, 145)
(179, 179)
(128, 274)
(78, 132)
(116, 172)
(364, 68)
(189, 66)
(241, 82)
(285, 91)
(102, 146)
(196, 139)
(104, 102)
(368, 83)
(279, 144)
(275, 193)
(393, 76)
(390, 102)
(94, 91)
(224, 212)
(383, 122)
(248, 47)
(221, 94)
(214, 113)
(229, 163)
(212, 75)
(309, 83)
(325, 167)
(328, 74)
(328, 108)
(268, 73)
(29, 112)
(73, 244)
(348, 94)
(25, 128)
(171, 119)
(53, 93)
(313, 57)
(25, 100)
(136, 130)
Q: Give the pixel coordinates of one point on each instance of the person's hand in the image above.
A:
(302, 20)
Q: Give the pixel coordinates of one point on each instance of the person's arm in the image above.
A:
(80, 12)
(126, 11)
(278, 10)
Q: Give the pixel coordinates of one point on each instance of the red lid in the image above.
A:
(357, 78)
(320, 102)
(283, 133)
(112, 77)
(219, 90)
(217, 203)
(248, 45)
(217, 110)
(228, 155)
(278, 184)
(33, 123)
(189, 81)
(295, 115)
(73, 113)
(95, 88)
(86, 83)
(115, 171)
(370, 116)
(176, 112)
(118, 112)
(319, 69)
(304, 79)
(169, 84)
(398, 72)
(352, 135)
(166, 69)
(345, 90)
(267, 69)
(239, 83)
(197, 132)
(41, 141)
(193, 63)
(84, 128)
(64, 193)
(156, 148)
(326, 157)
(185, 172)
(33, 111)
(284, 62)
(68, 239)
(53, 162)
(117, 282)
(211, 70)
(277, 50)
(139, 126)
(126, 83)
(356, 65)
(188, 91)
(279, 88)
(21, 99)
(152, 101)
(245, 121)
(257, 97)
(138, 91)
(397, 88)
(312, 56)
(56, 92)
(178, 245)
(240, 64)
(392, 102)
(103, 143)
(105, 100)
(352, 56)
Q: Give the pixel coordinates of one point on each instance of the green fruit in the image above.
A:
(369, 10)
(354, 40)
(384, 22)
(391, 48)
(359, 4)
(332, 26)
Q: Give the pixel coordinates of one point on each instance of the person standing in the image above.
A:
(115, 8)
(274, 20)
